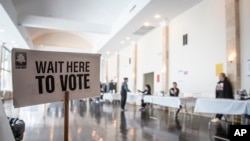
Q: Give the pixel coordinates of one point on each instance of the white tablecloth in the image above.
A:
(111, 97)
(5, 130)
(222, 106)
(134, 98)
(248, 107)
(131, 97)
(173, 102)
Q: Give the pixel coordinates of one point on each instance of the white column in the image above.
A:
(118, 72)
(134, 66)
(165, 58)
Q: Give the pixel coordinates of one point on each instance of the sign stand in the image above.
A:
(66, 116)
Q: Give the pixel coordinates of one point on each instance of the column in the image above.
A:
(232, 42)
(118, 72)
(134, 66)
(165, 58)
(107, 71)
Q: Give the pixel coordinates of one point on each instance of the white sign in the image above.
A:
(248, 67)
(43, 77)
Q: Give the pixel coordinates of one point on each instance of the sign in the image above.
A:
(43, 77)
(218, 69)
(158, 78)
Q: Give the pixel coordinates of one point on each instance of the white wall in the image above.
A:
(126, 68)
(149, 57)
(205, 26)
(112, 68)
(206, 29)
(244, 41)
(103, 70)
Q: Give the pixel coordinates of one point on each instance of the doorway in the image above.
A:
(149, 79)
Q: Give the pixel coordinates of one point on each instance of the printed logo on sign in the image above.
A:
(21, 60)
(239, 132)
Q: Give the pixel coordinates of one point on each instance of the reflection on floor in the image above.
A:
(91, 121)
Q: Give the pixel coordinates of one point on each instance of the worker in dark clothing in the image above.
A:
(147, 91)
(124, 90)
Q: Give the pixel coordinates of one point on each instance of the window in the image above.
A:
(5, 70)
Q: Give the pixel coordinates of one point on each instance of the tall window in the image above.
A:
(5, 71)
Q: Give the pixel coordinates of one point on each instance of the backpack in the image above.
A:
(17, 127)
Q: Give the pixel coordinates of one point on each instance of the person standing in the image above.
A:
(124, 90)
(112, 87)
(147, 91)
(223, 90)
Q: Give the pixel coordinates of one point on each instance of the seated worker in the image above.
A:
(174, 91)
(147, 91)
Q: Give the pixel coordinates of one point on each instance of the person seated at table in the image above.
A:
(146, 91)
(223, 90)
(174, 91)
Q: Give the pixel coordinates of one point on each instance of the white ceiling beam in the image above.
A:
(62, 24)
(21, 35)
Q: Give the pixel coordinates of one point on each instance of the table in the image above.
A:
(111, 97)
(131, 97)
(248, 107)
(173, 102)
(222, 106)
(134, 98)
(5, 130)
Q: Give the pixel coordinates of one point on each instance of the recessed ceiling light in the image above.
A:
(128, 38)
(122, 42)
(13, 42)
(2, 30)
(146, 24)
(157, 16)
(108, 52)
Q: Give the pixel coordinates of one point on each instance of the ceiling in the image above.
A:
(88, 25)
(9, 34)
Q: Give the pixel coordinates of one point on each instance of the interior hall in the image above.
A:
(124, 70)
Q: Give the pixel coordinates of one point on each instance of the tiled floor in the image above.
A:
(91, 121)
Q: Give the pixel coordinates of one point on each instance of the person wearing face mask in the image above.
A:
(146, 91)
